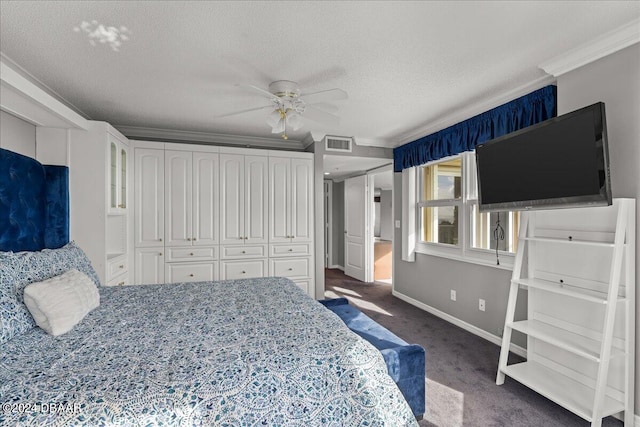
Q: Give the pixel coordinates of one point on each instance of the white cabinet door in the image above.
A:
(256, 194)
(232, 198)
(302, 200)
(279, 200)
(178, 185)
(206, 204)
(149, 197)
(149, 266)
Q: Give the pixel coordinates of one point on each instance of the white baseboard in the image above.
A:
(520, 351)
(637, 422)
(339, 267)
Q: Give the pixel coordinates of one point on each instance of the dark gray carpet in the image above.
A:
(461, 367)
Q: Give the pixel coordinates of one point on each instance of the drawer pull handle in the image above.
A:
(193, 238)
(188, 239)
(121, 266)
(160, 254)
(246, 238)
(160, 239)
(244, 252)
(240, 237)
(191, 275)
(191, 253)
(121, 283)
(290, 250)
(243, 272)
(290, 269)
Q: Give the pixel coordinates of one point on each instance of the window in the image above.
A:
(440, 189)
(449, 221)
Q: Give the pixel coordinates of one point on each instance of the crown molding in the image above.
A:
(474, 110)
(23, 98)
(166, 135)
(593, 50)
(308, 140)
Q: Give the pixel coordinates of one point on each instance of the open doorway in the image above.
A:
(382, 239)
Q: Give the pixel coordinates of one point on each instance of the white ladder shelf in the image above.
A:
(580, 326)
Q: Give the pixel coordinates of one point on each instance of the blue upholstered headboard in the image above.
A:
(34, 204)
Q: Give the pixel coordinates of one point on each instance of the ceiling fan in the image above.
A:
(289, 105)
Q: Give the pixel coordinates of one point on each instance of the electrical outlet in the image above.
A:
(453, 295)
(481, 304)
(397, 223)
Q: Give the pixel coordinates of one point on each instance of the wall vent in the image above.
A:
(338, 143)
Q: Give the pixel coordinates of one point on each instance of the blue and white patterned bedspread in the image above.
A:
(233, 353)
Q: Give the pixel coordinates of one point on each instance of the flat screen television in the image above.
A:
(561, 162)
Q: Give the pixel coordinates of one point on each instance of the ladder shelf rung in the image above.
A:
(564, 289)
(561, 338)
(569, 241)
(565, 391)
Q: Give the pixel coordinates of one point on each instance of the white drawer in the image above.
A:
(119, 281)
(290, 267)
(190, 272)
(303, 284)
(244, 251)
(243, 269)
(192, 253)
(117, 266)
(296, 249)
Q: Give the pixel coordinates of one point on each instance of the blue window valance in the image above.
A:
(525, 111)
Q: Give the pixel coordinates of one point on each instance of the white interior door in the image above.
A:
(355, 215)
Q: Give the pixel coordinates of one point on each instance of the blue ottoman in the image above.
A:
(405, 362)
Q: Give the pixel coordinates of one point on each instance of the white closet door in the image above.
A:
(149, 197)
(232, 198)
(206, 205)
(302, 200)
(355, 190)
(178, 195)
(256, 199)
(279, 200)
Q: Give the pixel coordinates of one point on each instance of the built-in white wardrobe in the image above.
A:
(99, 181)
(214, 213)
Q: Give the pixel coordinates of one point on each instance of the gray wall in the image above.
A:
(614, 80)
(337, 232)
(17, 135)
(386, 214)
(430, 280)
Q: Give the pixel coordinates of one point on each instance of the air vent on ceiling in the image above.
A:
(338, 143)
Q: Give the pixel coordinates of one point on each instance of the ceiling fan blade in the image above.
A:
(263, 92)
(320, 116)
(235, 113)
(329, 108)
(324, 96)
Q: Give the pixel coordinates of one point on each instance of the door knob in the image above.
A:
(191, 275)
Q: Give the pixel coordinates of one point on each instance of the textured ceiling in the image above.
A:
(403, 64)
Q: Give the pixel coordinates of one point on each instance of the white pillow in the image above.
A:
(61, 302)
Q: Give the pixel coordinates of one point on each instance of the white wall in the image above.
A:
(17, 135)
(614, 80)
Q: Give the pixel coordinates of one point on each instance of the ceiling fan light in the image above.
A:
(274, 118)
(295, 121)
(279, 127)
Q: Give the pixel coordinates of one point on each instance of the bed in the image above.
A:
(256, 352)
